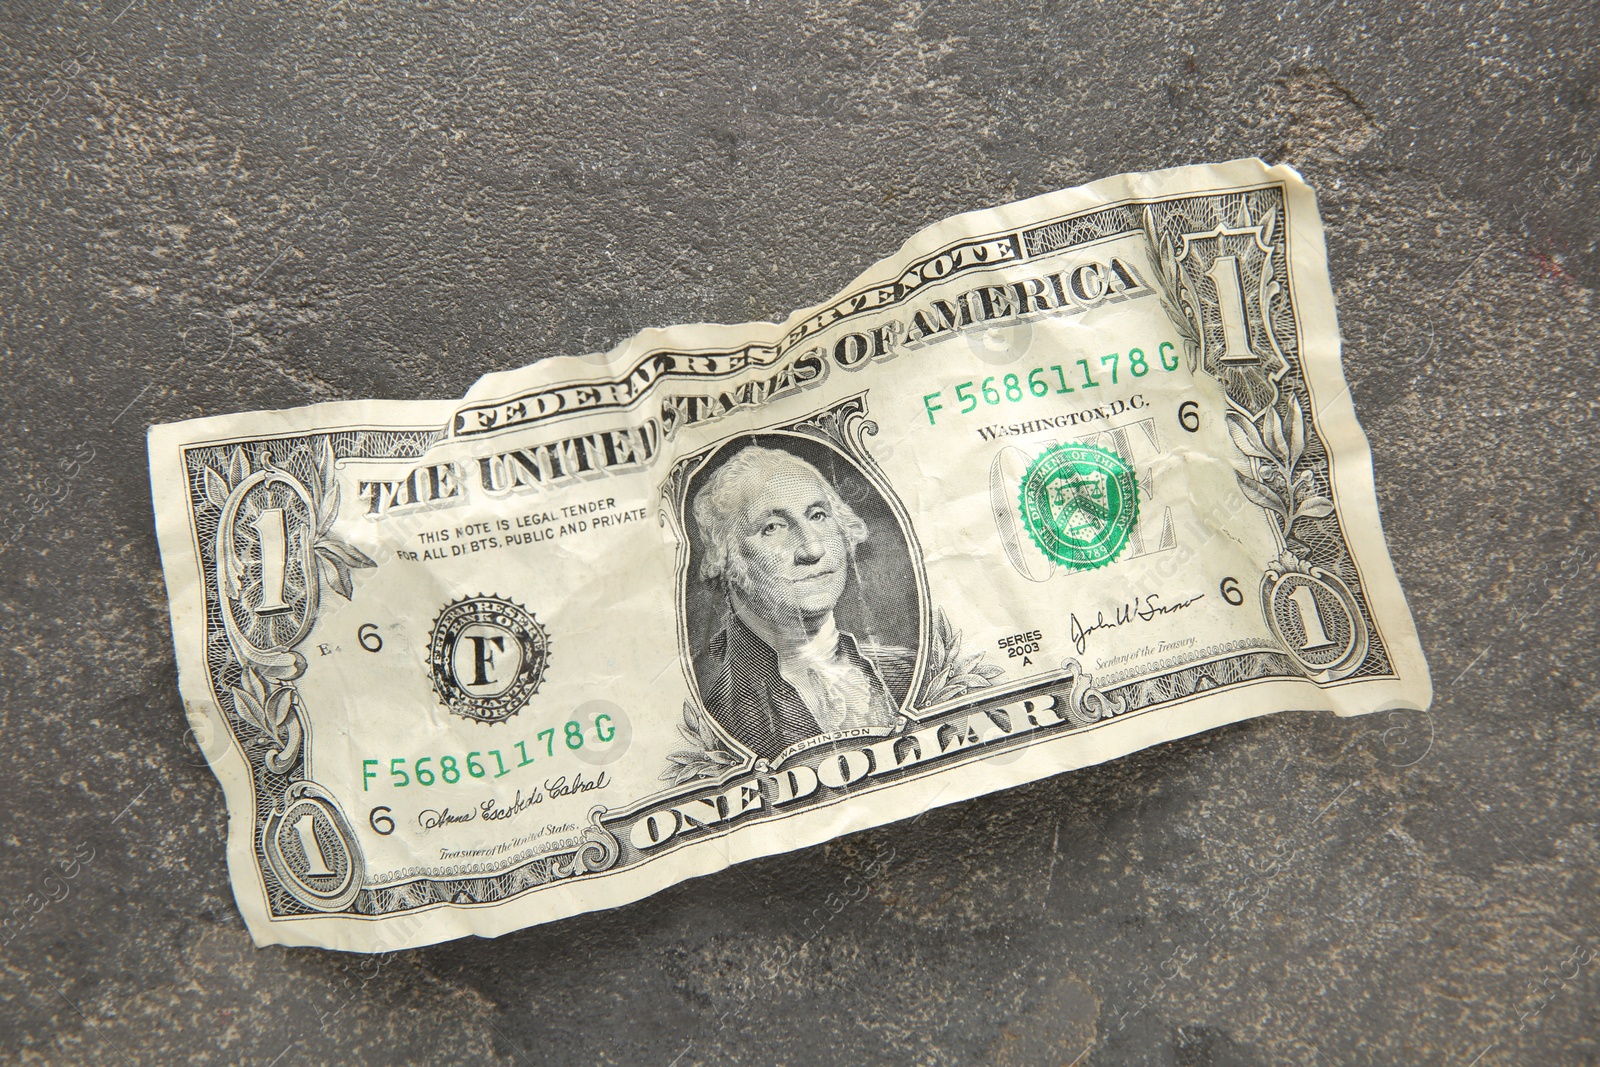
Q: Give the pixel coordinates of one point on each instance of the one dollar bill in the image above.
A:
(1057, 481)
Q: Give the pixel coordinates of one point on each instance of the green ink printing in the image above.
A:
(1079, 503)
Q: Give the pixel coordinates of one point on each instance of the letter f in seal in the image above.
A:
(482, 657)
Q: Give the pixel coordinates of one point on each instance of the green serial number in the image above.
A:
(1044, 381)
(448, 770)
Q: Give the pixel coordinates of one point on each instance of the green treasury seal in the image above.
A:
(1078, 503)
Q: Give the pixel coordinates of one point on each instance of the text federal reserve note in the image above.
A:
(1057, 481)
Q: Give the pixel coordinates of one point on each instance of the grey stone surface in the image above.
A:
(211, 207)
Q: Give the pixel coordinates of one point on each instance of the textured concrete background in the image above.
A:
(211, 207)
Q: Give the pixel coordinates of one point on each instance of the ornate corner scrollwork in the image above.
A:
(1226, 324)
(274, 553)
(311, 848)
(1087, 704)
(598, 852)
(1310, 609)
(1314, 615)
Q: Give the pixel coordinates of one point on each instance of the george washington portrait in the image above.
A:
(807, 610)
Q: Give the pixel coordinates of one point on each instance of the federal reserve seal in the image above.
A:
(487, 655)
(1079, 503)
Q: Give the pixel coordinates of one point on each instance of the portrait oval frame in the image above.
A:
(885, 602)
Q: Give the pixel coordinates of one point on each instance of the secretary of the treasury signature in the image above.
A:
(1142, 608)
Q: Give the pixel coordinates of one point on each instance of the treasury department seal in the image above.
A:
(1079, 503)
(487, 655)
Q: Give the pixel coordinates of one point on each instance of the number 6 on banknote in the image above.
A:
(607, 623)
